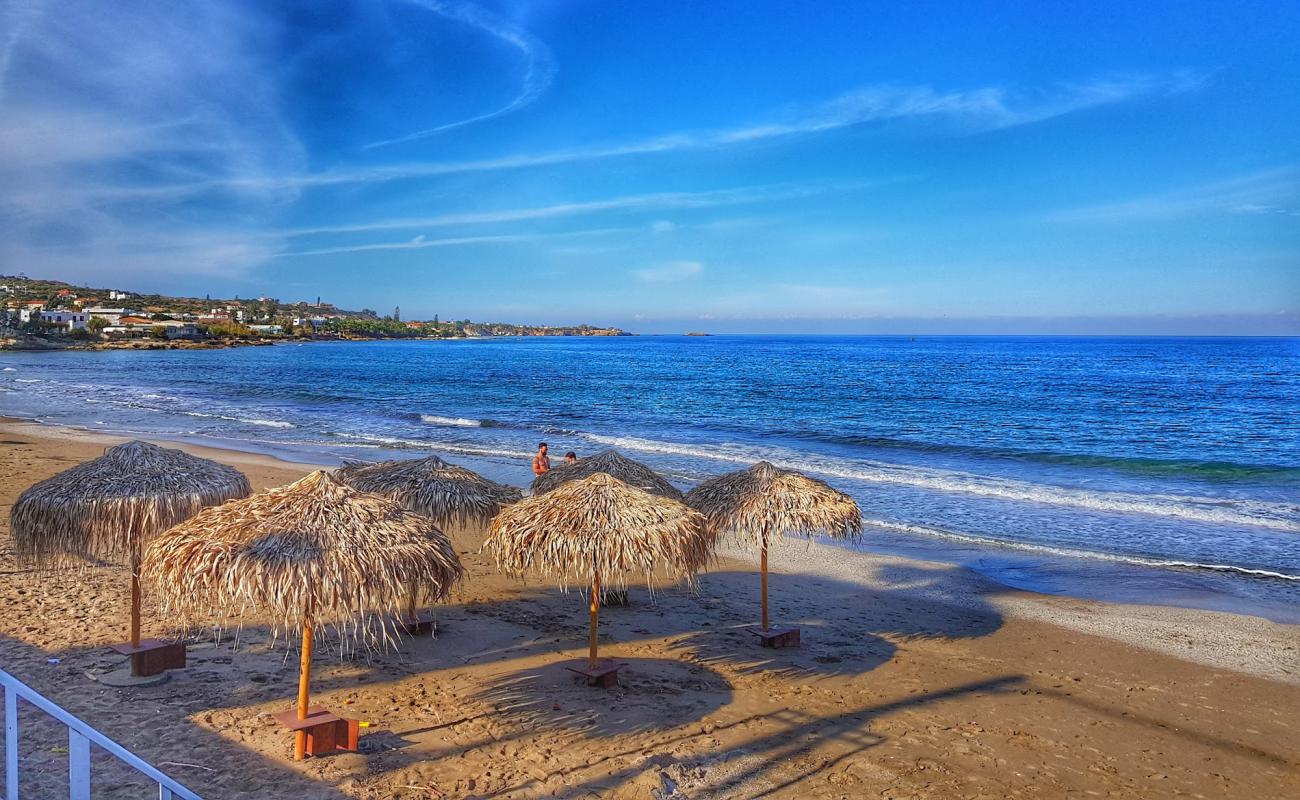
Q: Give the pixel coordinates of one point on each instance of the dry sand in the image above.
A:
(914, 680)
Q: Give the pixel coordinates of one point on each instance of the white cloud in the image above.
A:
(1275, 191)
(669, 271)
(421, 243)
(658, 200)
(539, 67)
(96, 103)
(960, 111)
(980, 109)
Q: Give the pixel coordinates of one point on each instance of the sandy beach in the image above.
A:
(915, 679)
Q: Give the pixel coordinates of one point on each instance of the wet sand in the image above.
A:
(914, 680)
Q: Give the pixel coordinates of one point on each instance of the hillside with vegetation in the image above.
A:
(236, 318)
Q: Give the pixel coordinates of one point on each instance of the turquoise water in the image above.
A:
(1150, 470)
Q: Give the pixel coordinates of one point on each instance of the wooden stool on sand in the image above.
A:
(777, 637)
(325, 731)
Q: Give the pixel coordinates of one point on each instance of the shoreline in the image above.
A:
(1223, 639)
(1033, 569)
(914, 679)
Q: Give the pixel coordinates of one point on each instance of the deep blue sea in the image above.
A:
(1155, 470)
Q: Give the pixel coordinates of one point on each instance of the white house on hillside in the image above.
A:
(113, 315)
(71, 320)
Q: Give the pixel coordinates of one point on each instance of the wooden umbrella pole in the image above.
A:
(763, 567)
(410, 608)
(135, 595)
(304, 685)
(595, 614)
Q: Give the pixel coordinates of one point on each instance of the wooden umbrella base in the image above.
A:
(604, 675)
(421, 625)
(152, 656)
(777, 637)
(326, 732)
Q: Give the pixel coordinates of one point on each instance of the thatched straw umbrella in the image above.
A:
(316, 552)
(599, 529)
(764, 500)
(610, 462)
(451, 495)
(108, 508)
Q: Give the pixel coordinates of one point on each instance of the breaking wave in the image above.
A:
(1070, 552)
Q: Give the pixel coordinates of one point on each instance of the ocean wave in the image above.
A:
(391, 441)
(1070, 552)
(265, 423)
(454, 422)
(27, 380)
(1200, 469)
(1258, 513)
(397, 443)
(10, 369)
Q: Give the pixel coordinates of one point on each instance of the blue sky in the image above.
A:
(730, 166)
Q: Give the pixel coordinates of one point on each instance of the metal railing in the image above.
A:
(80, 738)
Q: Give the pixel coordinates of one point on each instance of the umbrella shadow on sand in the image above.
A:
(152, 722)
(825, 652)
(653, 694)
(848, 628)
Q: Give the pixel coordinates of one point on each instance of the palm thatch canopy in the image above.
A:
(108, 507)
(599, 527)
(610, 462)
(316, 551)
(765, 499)
(449, 494)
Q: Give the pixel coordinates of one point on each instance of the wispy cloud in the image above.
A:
(981, 109)
(539, 66)
(669, 271)
(18, 17)
(1274, 191)
(958, 111)
(422, 242)
(656, 201)
(144, 95)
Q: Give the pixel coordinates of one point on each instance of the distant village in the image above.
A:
(36, 312)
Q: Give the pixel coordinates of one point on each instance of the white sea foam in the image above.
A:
(1278, 516)
(10, 369)
(467, 450)
(265, 423)
(455, 422)
(27, 380)
(1070, 552)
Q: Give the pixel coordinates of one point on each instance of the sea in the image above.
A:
(1139, 470)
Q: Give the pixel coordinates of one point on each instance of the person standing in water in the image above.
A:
(541, 462)
(570, 458)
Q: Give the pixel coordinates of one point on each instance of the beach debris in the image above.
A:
(753, 505)
(598, 530)
(314, 554)
(183, 764)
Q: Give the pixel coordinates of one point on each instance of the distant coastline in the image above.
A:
(43, 314)
(41, 344)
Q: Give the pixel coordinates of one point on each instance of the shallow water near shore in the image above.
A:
(1140, 470)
